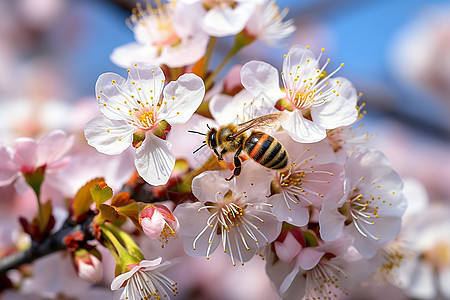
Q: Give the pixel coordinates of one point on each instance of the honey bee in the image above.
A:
(261, 147)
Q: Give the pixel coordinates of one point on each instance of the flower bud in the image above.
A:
(88, 264)
(158, 222)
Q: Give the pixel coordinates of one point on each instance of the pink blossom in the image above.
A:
(158, 222)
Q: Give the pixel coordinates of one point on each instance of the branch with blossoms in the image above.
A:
(243, 164)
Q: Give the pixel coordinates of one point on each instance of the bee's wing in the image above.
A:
(261, 122)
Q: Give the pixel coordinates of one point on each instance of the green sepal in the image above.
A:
(310, 238)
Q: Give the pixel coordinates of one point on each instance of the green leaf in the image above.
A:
(108, 213)
(101, 193)
(83, 198)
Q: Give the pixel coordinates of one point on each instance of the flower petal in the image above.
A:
(331, 221)
(296, 214)
(53, 146)
(8, 170)
(262, 81)
(182, 98)
(220, 21)
(288, 249)
(309, 258)
(108, 136)
(339, 108)
(128, 54)
(208, 185)
(25, 153)
(150, 263)
(303, 130)
(154, 160)
(299, 63)
(119, 280)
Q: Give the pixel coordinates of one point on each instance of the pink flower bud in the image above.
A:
(88, 265)
(158, 222)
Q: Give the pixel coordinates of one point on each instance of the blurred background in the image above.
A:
(397, 53)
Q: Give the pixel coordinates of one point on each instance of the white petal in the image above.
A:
(129, 54)
(422, 284)
(261, 79)
(221, 22)
(108, 136)
(339, 108)
(444, 279)
(192, 221)
(303, 130)
(297, 215)
(183, 97)
(154, 160)
(299, 62)
(116, 96)
(150, 263)
(288, 281)
(119, 280)
(221, 110)
(207, 185)
(331, 221)
(110, 99)
(368, 163)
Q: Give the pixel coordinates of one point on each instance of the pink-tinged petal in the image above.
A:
(339, 108)
(417, 197)
(152, 227)
(331, 221)
(294, 214)
(262, 81)
(209, 186)
(225, 21)
(154, 160)
(21, 186)
(309, 258)
(25, 154)
(129, 54)
(119, 280)
(8, 170)
(288, 249)
(150, 263)
(182, 98)
(187, 53)
(53, 146)
(299, 63)
(303, 130)
(108, 136)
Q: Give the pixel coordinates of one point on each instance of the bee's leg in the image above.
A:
(237, 165)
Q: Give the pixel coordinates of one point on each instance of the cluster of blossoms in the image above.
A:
(243, 165)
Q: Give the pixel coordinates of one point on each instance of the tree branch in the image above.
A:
(53, 243)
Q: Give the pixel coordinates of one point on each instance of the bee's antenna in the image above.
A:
(192, 131)
(203, 145)
(207, 125)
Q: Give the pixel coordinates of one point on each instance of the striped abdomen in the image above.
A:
(266, 150)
